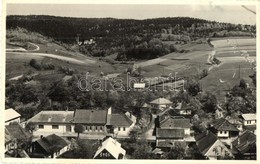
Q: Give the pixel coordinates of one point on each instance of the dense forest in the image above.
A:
(130, 39)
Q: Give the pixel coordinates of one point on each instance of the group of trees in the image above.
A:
(39, 66)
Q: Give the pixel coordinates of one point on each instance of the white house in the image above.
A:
(53, 121)
(160, 103)
(249, 119)
(110, 149)
(11, 116)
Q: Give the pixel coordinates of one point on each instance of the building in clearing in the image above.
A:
(110, 149)
(11, 116)
(160, 103)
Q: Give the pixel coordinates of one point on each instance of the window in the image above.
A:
(90, 128)
(248, 122)
(225, 132)
(96, 128)
(118, 128)
(41, 126)
(123, 128)
(101, 128)
(220, 132)
(55, 126)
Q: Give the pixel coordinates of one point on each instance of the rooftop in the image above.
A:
(205, 140)
(169, 133)
(245, 141)
(223, 125)
(15, 131)
(175, 122)
(112, 146)
(85, 116)
(249, 116)
(53, 117)
(161, 101)
(52, 143)
(120, 120)
(11, 114)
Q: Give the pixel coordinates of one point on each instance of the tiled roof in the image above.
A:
(112, 146)
(83, 116)
(11, 114)
(120, 120)
(175, 122)
(169, 133)
(205, 140)
(161, 101)
(52, 143)
(223, 125)
(249, 116)
(16, 131)
(52, 117)
(245, 141)
(182, 105)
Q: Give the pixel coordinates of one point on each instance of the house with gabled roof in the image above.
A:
(236, 122)
(11, 116)
(211, 147)
(183, 108)
(176, 122)
(224, 130)
(53, 121)
(249, 122)
(244, 146)
(166, 137)
(110, 149)
(50, 146)
(160, 103)
(93, 120)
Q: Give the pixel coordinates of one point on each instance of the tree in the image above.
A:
(177, 151)
(242, 84)
(134, 133)
(193, 88)
(30, 126)
(142, 150)
(209, 102)
(79, 128)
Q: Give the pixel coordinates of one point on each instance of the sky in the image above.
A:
(224, 13)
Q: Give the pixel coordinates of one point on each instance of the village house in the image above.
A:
(165, 138)
(160, 103)
(93, 120)
(51, 146)
(58, 122)
(176, 122)
(224, 130)
(244, 146)
(183, 109)
(211, 147)
(15, 137)
(11, 116)
(120, 124)
(249, 121)
(236, 122)
(110, 149)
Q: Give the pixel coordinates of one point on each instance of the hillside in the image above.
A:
(130, 39)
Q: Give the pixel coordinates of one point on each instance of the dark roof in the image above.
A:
(120, 120)
(250, 127)
(247, 140)
(52, 117)
(205, 140)
(182, 106)
(52, 143)
(223, 125)
(169, 133)
(175, 122)
(15, 131)
(90, 116)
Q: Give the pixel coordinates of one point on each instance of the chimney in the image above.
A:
(238, 141)
(67, 108)
(109, 112)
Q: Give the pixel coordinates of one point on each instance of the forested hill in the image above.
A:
(65, 29)
(130, 39)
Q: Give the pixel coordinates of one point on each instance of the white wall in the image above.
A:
(223, 134)
(187, 131)
(250, 122)
(48, 128)
(122, 132)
